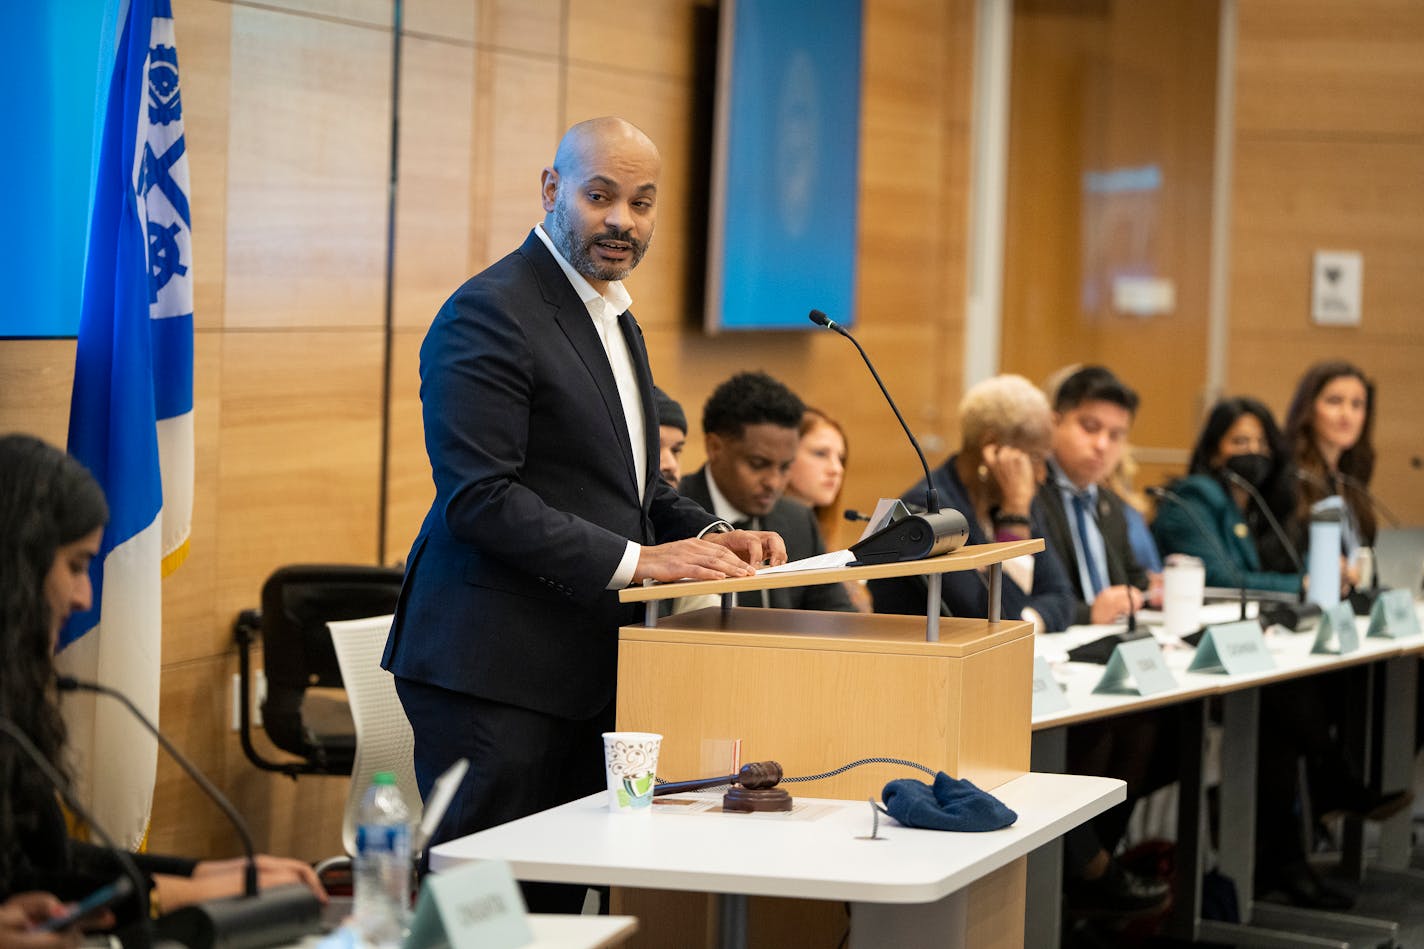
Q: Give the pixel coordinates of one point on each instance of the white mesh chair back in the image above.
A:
(384, 741)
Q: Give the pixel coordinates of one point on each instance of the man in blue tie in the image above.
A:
(1092, 416)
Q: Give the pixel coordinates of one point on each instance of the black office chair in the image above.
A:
(297, 655)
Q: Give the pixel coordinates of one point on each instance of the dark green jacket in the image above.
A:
(1177, 532)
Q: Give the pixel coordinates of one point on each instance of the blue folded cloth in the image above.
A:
(952, 804)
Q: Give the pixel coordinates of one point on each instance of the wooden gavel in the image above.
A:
(753, 776)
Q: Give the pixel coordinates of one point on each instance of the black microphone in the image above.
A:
(919, 535)
(280, 915)
(1162, 494)
(931, 495)
(71, 684)
(1265, 509)
(1353, 482)
(851, 514)
(143, 927)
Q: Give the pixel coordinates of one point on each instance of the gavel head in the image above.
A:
(759, 774)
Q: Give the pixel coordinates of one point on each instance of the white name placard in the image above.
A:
(1232, 648)
(477, 906)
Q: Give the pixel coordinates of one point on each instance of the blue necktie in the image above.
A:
(1080, 511)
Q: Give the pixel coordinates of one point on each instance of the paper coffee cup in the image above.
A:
(631, 765)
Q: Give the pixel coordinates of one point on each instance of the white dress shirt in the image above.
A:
(604, 309)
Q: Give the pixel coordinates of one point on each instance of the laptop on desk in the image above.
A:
(1399, 558)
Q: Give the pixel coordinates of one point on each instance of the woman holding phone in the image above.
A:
(52, 515)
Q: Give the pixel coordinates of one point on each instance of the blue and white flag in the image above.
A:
(131, 413)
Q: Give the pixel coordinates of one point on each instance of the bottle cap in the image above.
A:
(384, 777)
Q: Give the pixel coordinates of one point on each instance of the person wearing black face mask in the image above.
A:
(1241, 437)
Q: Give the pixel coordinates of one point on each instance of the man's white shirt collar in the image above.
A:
(617, 299)
(720, 505)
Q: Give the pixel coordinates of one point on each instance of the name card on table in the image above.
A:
(1232, 648)
(1336, 634)
(1137, 666)
(1393, 615)
(1048, 695)
(477, 906)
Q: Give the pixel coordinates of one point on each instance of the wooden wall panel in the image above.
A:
(518, 121)
(193, 713)
(527, 26)
(442, 18)
(408, 475)
(433, 193)
(368, 12)
(1330, 156)
(36, 376)
(1294, 196)
(204, 30)
(664, 38)
(1336, 68)
(307, 171)
(1100, 88)
(299, 455)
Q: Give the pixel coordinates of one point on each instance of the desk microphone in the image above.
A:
(1163, 494)
(851, 514)
(919, 535)
(1265, 509)
(282, 914)
(142, 929)
(71, 684)
(1349, 481)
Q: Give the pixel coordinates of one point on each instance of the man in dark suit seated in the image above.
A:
(537, 400)
(1084, 523)
(1083, 520)
(751, 430)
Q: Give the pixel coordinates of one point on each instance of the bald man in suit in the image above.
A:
(540, 424)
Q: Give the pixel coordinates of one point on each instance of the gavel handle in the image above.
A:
(673, 787)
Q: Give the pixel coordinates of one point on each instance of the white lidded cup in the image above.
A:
(1183, 590)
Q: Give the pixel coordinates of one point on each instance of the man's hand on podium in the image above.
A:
(713, 557)
(758, 548)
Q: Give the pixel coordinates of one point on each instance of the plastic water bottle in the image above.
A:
(382, 878)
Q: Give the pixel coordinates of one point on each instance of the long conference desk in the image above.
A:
(1393, 673)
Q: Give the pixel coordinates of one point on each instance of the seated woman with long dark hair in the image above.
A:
(1244, 549)
(1239, 442)
(52, 515)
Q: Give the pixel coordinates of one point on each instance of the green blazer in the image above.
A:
(1177, 532)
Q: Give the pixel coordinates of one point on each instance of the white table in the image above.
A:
(1240, 698)
(906, 889)
(551, 931)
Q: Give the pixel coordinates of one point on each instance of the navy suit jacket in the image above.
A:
(1122, 563)
(535, 496)
(964, 592)
(796, 523)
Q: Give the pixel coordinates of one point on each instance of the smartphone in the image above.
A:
(102, 898)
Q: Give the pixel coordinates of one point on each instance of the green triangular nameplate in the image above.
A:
(1232, 648)
(1337, 634)
(1393, 616)
(477, 906)
(1136, 667)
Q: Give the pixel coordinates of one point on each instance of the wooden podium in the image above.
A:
(818, 690)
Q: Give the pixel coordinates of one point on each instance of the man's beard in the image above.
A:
(579, 252)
